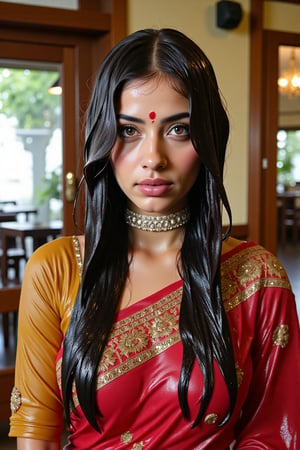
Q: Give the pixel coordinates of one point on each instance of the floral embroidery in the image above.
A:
(138, 446)
(108, 359)
(280, 336)
(275, 268)
(162, 326)
(15, 400)
(126, 437)
(133, 342)
(139, 337)
(247, 272)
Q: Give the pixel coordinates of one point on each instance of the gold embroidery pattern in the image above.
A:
(136, 339)
(126, 437)
(239, 374)
(108, 359)
(77, 254)
(280, 336)
(15, 400)
(58, 372)
(246, 272)
(138, 446)
(139, 337)
(211, 419)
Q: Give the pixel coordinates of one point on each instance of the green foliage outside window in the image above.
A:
(288, 146)
(24, 95)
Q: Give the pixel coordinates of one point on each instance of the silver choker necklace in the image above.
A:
(157, 223)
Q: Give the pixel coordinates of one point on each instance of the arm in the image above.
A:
(36, 444)
(270, 416)
(49, 287)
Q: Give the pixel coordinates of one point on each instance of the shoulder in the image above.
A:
(58, 254)
(248, 256)
(51, 279)
(246, 269)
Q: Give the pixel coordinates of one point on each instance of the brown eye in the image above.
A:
(127, 131)
(181, 130)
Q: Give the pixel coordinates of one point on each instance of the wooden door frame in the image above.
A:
(263, 127)
(256, 122)
(78, 40)
(270, 217)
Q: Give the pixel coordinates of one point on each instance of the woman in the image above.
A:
(179, 338)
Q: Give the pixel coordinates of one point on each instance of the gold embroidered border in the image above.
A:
(167, 303)
(137, 360)
(77, 254)
(250, 290)
(151, 331)
(164, 311)
(246, 272)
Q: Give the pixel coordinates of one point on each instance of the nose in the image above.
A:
(153, 154)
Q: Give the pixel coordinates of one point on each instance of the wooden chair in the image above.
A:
(14, 256)
(289, 216)
(9, 302)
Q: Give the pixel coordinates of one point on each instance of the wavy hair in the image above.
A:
(203, 325)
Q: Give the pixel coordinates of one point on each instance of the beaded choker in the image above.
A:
(157, 223)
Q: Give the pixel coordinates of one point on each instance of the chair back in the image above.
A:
(9, 302)
(9, 298)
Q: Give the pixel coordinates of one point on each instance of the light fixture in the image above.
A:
(56, 88)
(289, 80)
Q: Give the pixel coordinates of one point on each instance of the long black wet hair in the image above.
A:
(203, 325)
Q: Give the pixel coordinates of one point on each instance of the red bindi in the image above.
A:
(152, 116)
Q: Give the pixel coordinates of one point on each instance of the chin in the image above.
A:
(160, 209)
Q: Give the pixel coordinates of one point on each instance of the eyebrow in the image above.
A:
(174, 117)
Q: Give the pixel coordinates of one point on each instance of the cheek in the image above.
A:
(122, 158)
(118, 160)
(190, 163)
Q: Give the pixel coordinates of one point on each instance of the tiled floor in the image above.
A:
(290, 258)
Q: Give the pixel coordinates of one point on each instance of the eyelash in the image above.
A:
(122, 129)
(184, 128)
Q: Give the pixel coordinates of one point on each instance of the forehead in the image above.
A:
(160, 89)
(156, 80)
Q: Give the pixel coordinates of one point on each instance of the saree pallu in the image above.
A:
(137, 385)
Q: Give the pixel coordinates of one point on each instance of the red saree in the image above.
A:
(138, 375)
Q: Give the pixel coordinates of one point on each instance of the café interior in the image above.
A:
(34, 186)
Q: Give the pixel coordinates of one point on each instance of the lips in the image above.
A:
(154, 182)
(154, 187)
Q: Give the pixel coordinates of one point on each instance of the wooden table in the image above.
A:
(39, 232)
(19, 209)
(7, 217)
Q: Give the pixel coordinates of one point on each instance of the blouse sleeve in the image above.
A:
(270, 416)
(49, 288)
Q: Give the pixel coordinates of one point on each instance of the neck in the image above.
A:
(160, 223)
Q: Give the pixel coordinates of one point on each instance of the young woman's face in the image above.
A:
(154, 161)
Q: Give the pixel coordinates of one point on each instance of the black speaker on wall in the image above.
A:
(229, 14)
